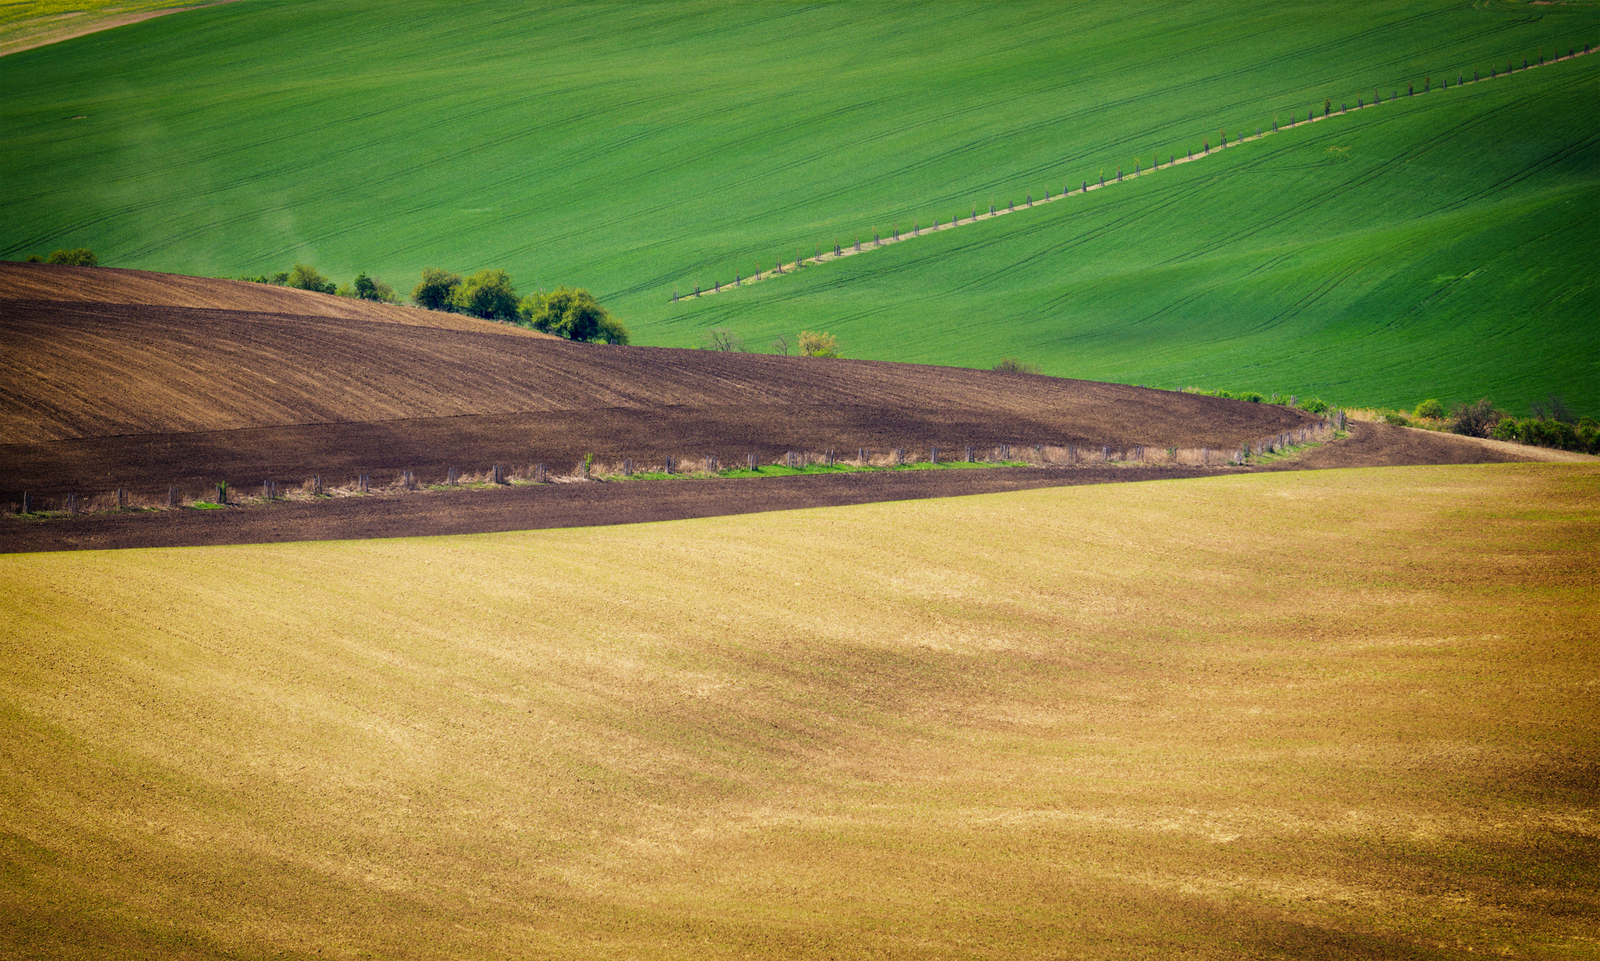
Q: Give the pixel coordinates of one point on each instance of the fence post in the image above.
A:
(933, 458)
(969, 454)
(27, 503)
(861, 455)
(122, 498)
(72, 503)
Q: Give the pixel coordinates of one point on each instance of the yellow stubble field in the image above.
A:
(1338, 714)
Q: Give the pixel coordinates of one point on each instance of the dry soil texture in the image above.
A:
(182, 378)
(1330, 715)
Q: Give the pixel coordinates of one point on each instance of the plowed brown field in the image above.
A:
(122, 379)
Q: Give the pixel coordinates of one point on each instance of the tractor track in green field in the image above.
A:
(1355, 183)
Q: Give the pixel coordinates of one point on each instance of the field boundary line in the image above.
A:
(839, 252)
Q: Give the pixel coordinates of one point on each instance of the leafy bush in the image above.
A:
(1395, 419)
(76, 257)
(371, 288)
(1477, 419)
(572, 313)
(1010, 365)
(1314, 405)
(280, 279)
(1251, 396)
(303, 277)
(1583, 436)
(487, 294)
(437, 289)
(1430, 410)
(818, 345)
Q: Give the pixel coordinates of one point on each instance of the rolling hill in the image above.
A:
(1439, 246)
(114, 392)
(639, 148)
(1338, 715)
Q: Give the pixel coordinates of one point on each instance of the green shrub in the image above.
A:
(818, 345)
(1251, 396)
(487, 294)
(437, 289)
(572, 313)
(1313, 405)
(303, 277)
(76, 257)
(1430, 410)
(371, 288)
(1396, 420)
(1010, 365)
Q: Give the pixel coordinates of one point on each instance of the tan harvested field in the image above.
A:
(1326, 714)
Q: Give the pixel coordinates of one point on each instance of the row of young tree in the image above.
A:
(567, 312)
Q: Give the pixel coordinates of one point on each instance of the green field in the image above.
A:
(1440, 247)
(1336, 714)
(635, 148)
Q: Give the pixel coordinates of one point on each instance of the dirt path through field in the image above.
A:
(1085, 186)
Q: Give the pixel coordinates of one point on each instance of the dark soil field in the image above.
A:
(147, 394)
(151, 381)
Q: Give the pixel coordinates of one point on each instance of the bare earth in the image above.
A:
(150, 381)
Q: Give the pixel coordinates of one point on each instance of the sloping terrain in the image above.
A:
(56, 284)
(640, 148)
(1333, 715)
(1436, 246)
(119, 394)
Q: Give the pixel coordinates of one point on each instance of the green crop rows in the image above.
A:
(640, 148)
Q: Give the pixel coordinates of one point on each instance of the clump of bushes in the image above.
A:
(487, 294)
(371, 288)
(1010, 365)
(572, 313)
(302, 277)
(1429, 410)
(76, 257)
(437, 290)
(1584, 436)
(1551, 424)
(306, 277)
(1476, 419)
(818, 345)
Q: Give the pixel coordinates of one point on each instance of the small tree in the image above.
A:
(1556, 409)
(781, 345)
(723, 339)
(573, 313)
(371, 288)
(818, 345)
(437, 289)
(1430, 410)
(76, 257)
(487, 294)
(308, 278)
(1475, 419)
